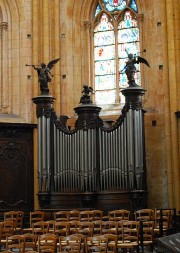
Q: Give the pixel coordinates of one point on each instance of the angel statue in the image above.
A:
(130, 68)
(86, 99)
(44, 75)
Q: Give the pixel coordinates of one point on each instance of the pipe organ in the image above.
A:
(91, 159)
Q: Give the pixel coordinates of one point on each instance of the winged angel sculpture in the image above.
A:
(130, 68)
(44, 75)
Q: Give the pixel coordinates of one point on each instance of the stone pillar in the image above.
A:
(35, 44)
(172, 127)
(87, 25)
(45, 31)
(56, 46)
(4, 67)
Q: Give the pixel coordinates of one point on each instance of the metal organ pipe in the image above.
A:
(48, 134)
(40, 153)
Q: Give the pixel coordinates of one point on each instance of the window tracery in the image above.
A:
(116, 34)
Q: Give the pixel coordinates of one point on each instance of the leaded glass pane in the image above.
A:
(104, 38)
(104, 24)
(119, 5)
(132, 48)
(105, 67)
(133, 5)
(105, 97)
(128, 35)
(105, 82)
(105, 49)
(128, 39)
(104, 53)
(98, 9)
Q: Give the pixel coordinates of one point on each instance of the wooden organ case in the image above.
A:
(92, 166)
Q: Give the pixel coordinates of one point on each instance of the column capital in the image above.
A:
(87, 24)
(140, 17)
(4, 25)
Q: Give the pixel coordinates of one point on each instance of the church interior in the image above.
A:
(119, 119)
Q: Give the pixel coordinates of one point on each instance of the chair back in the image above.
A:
(69, 243)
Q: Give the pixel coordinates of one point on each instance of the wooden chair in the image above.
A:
(34, 217)
(40, 228)
(86, 215)
(73, 227)
(13, 216)
(30, 241)
(97, 214)
(62, 228)
(83, 242)
(116, 215)
(74, 215)
(62, 216)
(144, 214)
(47, 243)
(7, 230)
(130, 236)
(51, 226)
(111, 243)
(146, 234)
(69, 243)
(162, 221)
(85, 228)
(109, 227)
(15, 243)
(20, 220)
(97, 227)
(126, 215)
(96, 244)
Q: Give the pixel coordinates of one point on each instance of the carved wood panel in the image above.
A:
(16, 167)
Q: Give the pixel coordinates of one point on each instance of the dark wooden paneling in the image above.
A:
(16, 167)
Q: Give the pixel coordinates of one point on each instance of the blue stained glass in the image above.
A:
(115, 5)
(107, 82)
(128, 22)
(105, 67)
(98, 9)
(105, 97)
(104, 53)
(104, 38)
(105, 49)
(133, 5)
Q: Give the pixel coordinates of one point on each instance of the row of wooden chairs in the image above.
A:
(162, 218)
(77, 242)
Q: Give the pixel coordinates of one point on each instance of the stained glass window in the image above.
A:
(116, 34)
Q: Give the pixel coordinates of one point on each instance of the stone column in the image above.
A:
(87, 25)
(35, 44)
(45, 31)
(172, 142)
(4, 67)
(56, 45)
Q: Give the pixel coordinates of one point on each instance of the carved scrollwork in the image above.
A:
(88, 123)
(43, 112)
